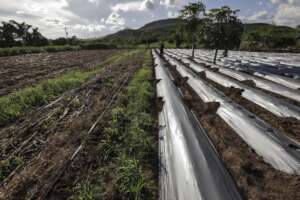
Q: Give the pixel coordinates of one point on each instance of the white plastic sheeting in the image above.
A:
(274, 105)
(286, 66)
(191, 168)
(263, 84)
(259, 82)
(291, 83)
(276, 149)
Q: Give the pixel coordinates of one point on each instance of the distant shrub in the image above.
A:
(93, 46)
(27, 50)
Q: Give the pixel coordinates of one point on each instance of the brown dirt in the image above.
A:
(48, 153)
(86, 165)
(19, 71)
(256, 179)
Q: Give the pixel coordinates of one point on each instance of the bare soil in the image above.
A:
(48, 139)
(255, 179)
(23, 70)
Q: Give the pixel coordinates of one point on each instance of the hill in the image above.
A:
(149, 33)
(257, 36)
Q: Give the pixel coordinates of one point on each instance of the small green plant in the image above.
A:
(84, 191)
(128, 145)
(131, 181)
(7, 166)
(16, 104)
(11, 51)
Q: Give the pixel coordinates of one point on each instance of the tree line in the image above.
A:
(14, 34)
(219, 28)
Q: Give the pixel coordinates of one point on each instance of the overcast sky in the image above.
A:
(94, 18)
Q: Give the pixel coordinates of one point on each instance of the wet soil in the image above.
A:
(24, 70)
(255, 179)
(49, 140)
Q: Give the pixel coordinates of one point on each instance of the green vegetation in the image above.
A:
(266, 36)
(167, 30)
(16, 104)
(13, 33)
(150, 34)
(6, 166)
(28, 50)
(129, 149)
(223, 29)
(21, 38)
(190, 16)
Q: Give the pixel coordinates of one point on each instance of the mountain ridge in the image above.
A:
(257, 36)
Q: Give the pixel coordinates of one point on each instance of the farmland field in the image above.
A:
(133, 124)
(23, 70)
(247, 108)
(54, 150)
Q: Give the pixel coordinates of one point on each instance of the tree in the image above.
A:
(178, 35)
(191, 16)
(13, 33)
(7, 35)
(223, 29)
(37, 39)
(22, 31)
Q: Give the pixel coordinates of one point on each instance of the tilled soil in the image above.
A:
(49, 140)
(255, 179)
(19, 71)
(90, 160)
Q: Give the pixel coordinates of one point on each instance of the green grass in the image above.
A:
(128, 147)
(28, 50)
(16, 104)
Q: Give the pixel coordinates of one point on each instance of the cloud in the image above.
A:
(287, 13)
(92, 18)
(90, 27)
(115, 19)
(172, 14)
(259, 16)
(133, 6)
(169, 2)
(148, 5)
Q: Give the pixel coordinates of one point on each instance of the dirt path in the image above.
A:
(256, 179)
(19, 71)
(48, 153)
